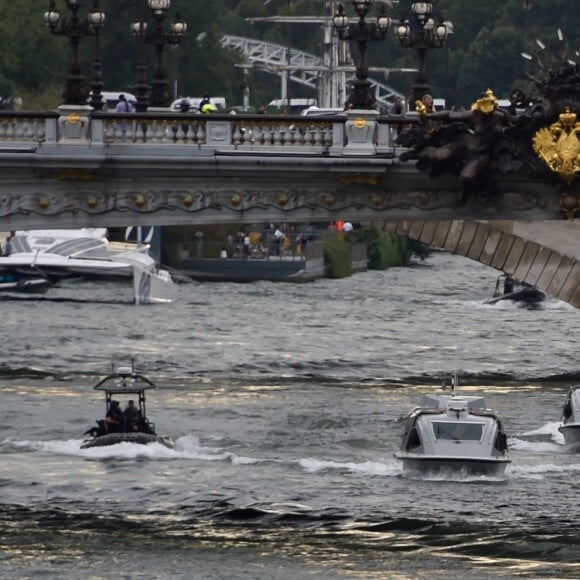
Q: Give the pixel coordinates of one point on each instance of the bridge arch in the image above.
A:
(538, 253)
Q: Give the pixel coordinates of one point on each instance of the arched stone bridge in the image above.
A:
(73, 168)
(77, 168)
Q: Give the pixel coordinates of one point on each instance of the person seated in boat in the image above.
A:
(508, 285)
(132, 417)
(101, 429)
(567, 411)
(114, 419)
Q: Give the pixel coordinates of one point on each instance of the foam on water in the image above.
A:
(393, 468)
(549, 429)
(455, 476)
(368, 467)
(187, 447)
(539, 471)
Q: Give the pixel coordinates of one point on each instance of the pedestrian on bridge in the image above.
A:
(123, 106)
(279, 238)
(206, 106)
(398, 109)
(398, 106)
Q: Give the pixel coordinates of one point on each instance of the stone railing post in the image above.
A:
(73, 124)
(337, 146)
(97, 132)
(384, 137)
(218, 132)
(50, 130)
(361, 129)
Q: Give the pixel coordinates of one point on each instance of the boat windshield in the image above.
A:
(457, 431)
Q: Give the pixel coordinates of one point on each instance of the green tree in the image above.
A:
(490, 49)
(483, 51)
(30, 59)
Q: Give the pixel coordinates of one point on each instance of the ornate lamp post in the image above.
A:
(97, 19)
(158, 37)
(74, 29)
(361, 32)
(422, 35)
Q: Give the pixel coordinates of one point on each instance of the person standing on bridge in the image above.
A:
(206, 106)
(123, 106)
(278, 240)
(398, 109)
(427, 101)
(398, 106)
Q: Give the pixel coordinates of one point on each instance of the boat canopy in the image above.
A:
(441, 401)
(118, 383)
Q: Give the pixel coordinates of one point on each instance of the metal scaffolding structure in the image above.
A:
(329, 76)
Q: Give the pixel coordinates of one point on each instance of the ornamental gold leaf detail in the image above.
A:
(558, 145)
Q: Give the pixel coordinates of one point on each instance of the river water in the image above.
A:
(287, 404)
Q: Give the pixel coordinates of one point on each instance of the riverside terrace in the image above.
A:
(74, 167)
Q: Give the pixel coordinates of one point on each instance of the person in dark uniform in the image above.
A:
(114, 418)
(132, 417)
(508, 285)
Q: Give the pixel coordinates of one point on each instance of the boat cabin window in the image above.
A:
(457, 431)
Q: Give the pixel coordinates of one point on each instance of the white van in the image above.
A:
(110, 99)
(439, 104)
(320, 111)
(294, 107)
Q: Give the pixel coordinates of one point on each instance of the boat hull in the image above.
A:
(571, 434)
(531, 297)
(470, 465)
(115, 438)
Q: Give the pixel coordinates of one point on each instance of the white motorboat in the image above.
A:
(570, 426)
(454, 433)
(87, 253)
(132, 425)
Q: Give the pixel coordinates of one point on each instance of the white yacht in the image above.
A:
(86, 253)
(454, 433)
(570, 426)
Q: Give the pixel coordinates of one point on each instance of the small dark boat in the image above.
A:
(508, 288)
(132, 425)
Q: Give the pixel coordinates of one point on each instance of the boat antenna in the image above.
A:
(455, 381)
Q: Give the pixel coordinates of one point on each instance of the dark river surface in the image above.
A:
(287, 404)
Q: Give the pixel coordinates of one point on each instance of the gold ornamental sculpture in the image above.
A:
(559, 146)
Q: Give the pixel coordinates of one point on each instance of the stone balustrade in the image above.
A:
(27, 127)
(369, 133)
